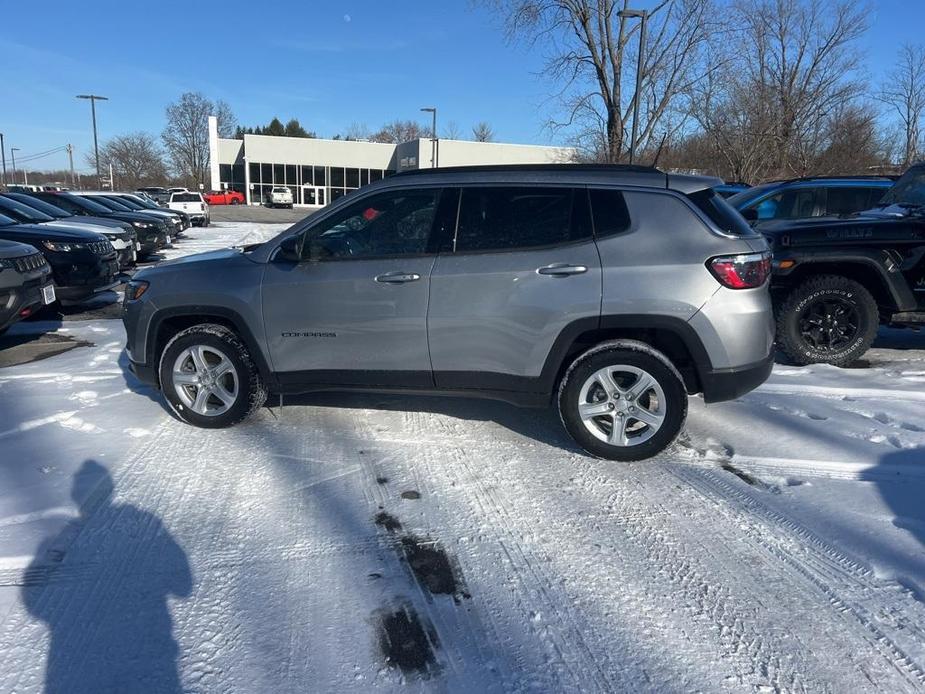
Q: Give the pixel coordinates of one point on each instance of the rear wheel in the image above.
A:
(622, 401)
(208, 377)
(828, 319)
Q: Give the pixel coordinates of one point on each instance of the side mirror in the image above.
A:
(290, 250)
(750, 214)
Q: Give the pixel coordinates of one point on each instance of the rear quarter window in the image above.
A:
(721, 213)
(609, 212)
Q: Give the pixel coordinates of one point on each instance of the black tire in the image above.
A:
(235, 201)
(251, 392)
(630, 354)
(822, 301)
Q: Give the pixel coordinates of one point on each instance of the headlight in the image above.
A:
(142, 225)
(61, 247)
(135, 289)
(6, 263)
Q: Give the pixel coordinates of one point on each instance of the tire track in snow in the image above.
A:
(852, 590)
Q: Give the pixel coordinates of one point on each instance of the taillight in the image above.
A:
(745, 271)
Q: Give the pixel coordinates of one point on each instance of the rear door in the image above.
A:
(521, 266)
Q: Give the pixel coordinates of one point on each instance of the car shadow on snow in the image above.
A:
(539, 424)
(101, 585)
(902, 493)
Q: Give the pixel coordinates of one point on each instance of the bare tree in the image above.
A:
(186, 135)
(904, 92)
(227, 123)
(136, 158)
(482, 132)
(590, 50)
(451, 131)
(400, 131)
(357, 131)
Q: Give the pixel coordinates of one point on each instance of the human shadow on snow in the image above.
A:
(101, 586)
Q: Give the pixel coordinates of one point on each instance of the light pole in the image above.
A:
(3, 156)
(643, 16)
(96, 149)
(433, 137)
(12, 150)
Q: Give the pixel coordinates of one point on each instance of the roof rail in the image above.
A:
(481, 168)
(863, 177)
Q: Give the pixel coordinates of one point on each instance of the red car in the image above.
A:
(224, 197)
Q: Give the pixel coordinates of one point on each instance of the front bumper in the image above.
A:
(728, 384)
(80, 277)
(17, 303)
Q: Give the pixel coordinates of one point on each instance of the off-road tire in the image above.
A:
(800, 351)
(635, 354)
(252, 393)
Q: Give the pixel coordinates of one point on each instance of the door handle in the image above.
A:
(561, 270)
(398, 277)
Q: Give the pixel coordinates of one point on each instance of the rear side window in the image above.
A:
(498, 219)
(608, 210)
(721, 213)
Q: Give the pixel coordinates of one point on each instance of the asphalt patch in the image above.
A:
(386, 520)
(406, 641)
(28, 348)
(432, 566)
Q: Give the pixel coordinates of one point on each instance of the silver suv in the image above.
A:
(613, 291)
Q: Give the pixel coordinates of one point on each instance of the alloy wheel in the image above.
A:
(622, 405)
(205, 380)
(829, 324)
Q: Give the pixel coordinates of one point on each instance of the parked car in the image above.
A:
(802, 198)
(729, 189)
(279, 196)
(836, 281)
(191, 204)
(156, 193)
(113, 202)
(153, 234)
(224, 197)
(25, 282)
(141, 203)
(82, 263)
(124, 241)
(612, 291)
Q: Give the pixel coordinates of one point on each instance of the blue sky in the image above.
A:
(328, 64)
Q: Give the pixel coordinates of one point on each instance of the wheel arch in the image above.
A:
(166, 323)
(671, 336)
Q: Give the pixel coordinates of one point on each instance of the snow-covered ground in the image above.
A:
(350, 543)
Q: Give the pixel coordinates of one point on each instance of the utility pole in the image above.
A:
(433, 137)
(96, 148)
(112, 182)
(70, 157)
(13, 155)
(3, 156)
(642, 15)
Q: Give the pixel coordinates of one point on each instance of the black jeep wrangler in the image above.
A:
(837, 279)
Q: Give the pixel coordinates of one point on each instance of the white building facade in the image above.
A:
(319, 171)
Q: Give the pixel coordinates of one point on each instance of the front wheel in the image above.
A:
(622, 401)
(208, 377)
(828, 319)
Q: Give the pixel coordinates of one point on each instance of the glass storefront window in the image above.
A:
(353, 178)
(337, 177)
(266, 173)
(375, 175)
(291, 175)
(307, 176)
(278, 174)
(321, 178)
(255, 173)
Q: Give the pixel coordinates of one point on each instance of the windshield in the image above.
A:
(280, 190)
(909, 189)
(111, 204)
(22, 212)
(131, 204)
(85, 204)
(39, 205)
(740, 200)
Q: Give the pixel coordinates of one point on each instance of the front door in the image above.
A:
(523, 266)
(313, 195)
(354, 309)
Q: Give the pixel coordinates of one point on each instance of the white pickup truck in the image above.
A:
(192, 204)
(280, 196)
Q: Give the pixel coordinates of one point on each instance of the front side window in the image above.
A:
(845, 201)
(388, 224)
(498, 219)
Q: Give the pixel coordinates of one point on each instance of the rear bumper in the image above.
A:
(728, 384)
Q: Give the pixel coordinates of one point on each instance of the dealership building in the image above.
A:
(319, 171)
